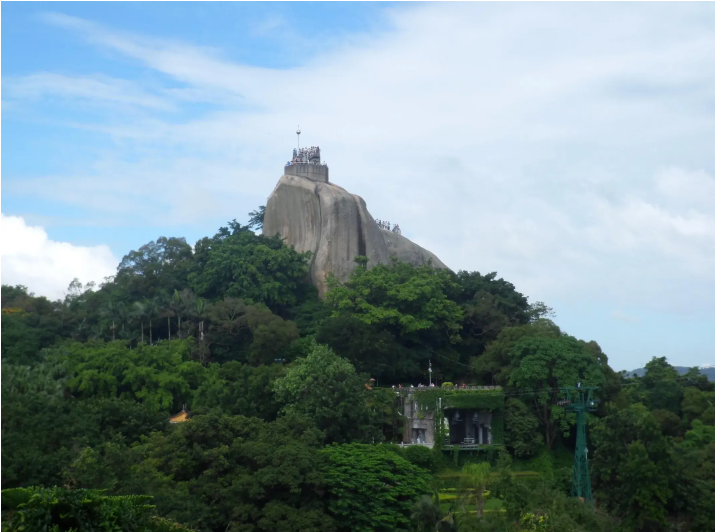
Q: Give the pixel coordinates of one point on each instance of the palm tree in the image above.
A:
(200, 312)
(152, 311)
(113, 311)
(146, 310)
(140, 314)
(183, 304)
(426, 513)
(177, 307)
(165, 303)
(475, 478)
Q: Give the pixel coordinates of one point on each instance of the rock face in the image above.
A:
(407, 251)
(335, 226)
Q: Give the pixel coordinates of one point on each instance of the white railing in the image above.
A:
(428, 445)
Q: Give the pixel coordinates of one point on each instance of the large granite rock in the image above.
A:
(407, 251)
(335, 226)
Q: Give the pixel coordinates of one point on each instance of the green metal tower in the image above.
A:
(580, 400)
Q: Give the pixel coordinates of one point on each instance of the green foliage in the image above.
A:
(541, 365)
(371, 488)
(272, 335)
(421, 456)
(631, 467)
(699, 436)
(311, 313)
(237, 473)
(427, 513)
(489, 305)
(60, 509)
(161, 266)
(411, 301)
(256, 218)
(42, 434)
(326, 388)
(239, 389)
(670, 423)
(529, 507)
(368, 347)
(660, 388)
(496, 362)
(693, 481)
(42, 379)
(162, 376)
(521, 429)
(696, 403)
(240, 264)
(87, 413)
(498, 427)
(29, 324)
(485, 399)
(475, 478)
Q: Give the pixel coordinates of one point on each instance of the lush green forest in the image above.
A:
(294, 423)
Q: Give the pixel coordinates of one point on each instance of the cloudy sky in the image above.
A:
(569, 147)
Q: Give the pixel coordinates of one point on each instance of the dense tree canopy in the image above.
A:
(326, 388)
(291, 413)
(371, 487)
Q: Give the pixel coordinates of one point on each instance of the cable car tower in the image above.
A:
(579, 399)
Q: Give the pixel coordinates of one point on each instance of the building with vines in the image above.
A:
(453, 418)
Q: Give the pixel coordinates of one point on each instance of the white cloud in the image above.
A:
(47, 267)
(568, 147)
(622, 316)
(100, 89)
(691, 190)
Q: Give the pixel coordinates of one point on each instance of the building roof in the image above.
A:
(182, 416)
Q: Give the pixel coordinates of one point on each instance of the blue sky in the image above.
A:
(566, 146)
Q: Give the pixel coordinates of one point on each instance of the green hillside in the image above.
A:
(292, 421)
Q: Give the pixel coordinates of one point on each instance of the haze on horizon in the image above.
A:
(566, 146)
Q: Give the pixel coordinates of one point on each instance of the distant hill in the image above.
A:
(708, 371)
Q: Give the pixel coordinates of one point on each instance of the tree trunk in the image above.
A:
(142, 331)
(150, 338)
(168, 324)
(113, 338)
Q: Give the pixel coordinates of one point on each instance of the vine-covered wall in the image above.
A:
(436, 400)
(429, 399)
(498, 427)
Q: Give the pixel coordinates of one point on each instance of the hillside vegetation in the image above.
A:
(293, 421)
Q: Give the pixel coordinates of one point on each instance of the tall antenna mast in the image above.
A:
(298, 133)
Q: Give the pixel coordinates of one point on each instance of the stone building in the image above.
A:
(471, 418)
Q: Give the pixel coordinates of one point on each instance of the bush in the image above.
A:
(56, 508)
(370, 488)
(421, 456)
(447, 385)
(394, 448)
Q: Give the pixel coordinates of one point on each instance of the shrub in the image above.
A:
(421, 456)
(56, 508)
(394, 448)
(370, 488)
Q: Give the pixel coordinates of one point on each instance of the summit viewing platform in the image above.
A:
(306, 163)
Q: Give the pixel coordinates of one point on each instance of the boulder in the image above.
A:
(335, 226)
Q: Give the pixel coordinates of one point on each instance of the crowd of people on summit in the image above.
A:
(387, 227)
(306, 155)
